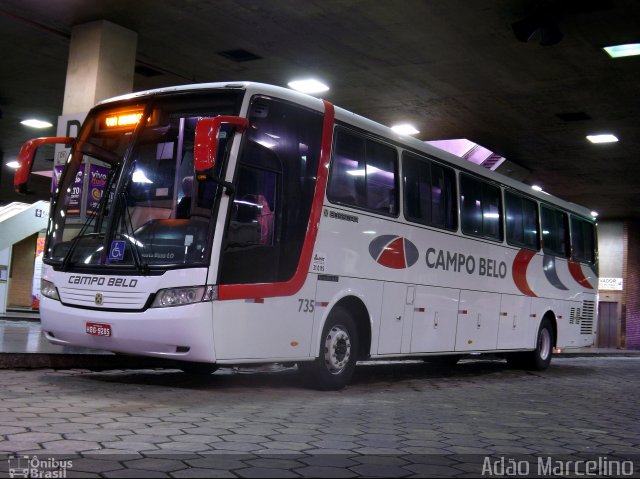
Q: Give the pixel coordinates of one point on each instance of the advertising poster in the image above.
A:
(55, 179)
(37, 274)
(96, 185)
(75, 198)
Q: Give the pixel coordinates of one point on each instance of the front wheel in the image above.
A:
(336, 361)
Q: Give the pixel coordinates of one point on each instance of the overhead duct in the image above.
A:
(540, 23)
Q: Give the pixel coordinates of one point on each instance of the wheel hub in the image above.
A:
(544, 344)
(337, 349)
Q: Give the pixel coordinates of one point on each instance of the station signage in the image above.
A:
(610, 284)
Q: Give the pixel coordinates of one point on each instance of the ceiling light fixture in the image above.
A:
(605, 138)
(405, 129)
(618, 51)
(13, 164)
(308, 86)
(33, 123)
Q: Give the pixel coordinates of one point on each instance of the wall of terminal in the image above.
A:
(632, 289)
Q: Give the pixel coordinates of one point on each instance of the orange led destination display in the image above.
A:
(126, 119)
(120, 120)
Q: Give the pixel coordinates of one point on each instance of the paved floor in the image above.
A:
(396, 420)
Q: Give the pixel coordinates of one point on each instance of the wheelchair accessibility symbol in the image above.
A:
(116, 252)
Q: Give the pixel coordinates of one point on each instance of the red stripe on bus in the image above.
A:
(576, 271)
(519, 271)
(292, 286)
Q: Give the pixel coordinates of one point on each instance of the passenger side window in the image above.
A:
(582, 240)
(364, 174)
(429, 192)
(480, 208)
(554, 231)
(522, 221)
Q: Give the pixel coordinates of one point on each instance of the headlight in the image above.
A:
(181, 296)
(48, 289)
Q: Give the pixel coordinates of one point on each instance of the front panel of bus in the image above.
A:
(139, 239)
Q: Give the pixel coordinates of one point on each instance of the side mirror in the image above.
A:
(206, 140)
(25, 159)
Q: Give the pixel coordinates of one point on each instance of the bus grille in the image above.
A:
(110, 300)
(587, 317)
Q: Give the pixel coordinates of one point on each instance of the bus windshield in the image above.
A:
(128, 197)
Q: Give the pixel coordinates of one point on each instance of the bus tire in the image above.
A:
(540, 358)
(338, 354)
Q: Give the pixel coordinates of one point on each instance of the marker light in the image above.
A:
(606, 138)
(308, 86)
(536, 188)
(628, 50)
(594, 214)
(33, 123)
(405, 129)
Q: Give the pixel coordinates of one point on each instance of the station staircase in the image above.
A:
(21, 220)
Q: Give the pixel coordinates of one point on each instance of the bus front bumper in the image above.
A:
(181, 332)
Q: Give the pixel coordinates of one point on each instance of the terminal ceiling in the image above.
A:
(452, 68)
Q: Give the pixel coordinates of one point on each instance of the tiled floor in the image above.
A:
(24, 335)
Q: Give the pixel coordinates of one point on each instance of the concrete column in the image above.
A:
(102, 59)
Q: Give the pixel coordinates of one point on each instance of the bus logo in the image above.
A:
(393, 251)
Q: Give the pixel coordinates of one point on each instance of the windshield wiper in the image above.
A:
(98, 212)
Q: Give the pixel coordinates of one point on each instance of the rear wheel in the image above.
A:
(336, 361)
(540, 358)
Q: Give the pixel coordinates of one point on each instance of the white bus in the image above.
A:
(242, 223)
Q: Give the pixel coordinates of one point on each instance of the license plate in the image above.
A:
(98, 329)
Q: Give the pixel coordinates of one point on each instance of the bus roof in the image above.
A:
(366, 124)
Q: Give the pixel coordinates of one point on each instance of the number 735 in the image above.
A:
(306, 305)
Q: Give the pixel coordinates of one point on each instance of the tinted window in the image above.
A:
(364, 174)
(521, 221)
(429, 192)
(274, 186)
(554, 231)
(480, 208)
(582, 240)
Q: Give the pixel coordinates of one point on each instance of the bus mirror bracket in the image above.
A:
(206, 140)
(26, 156)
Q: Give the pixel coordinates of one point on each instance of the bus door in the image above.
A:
(397, 318)
(478, 320)
(435, 314)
